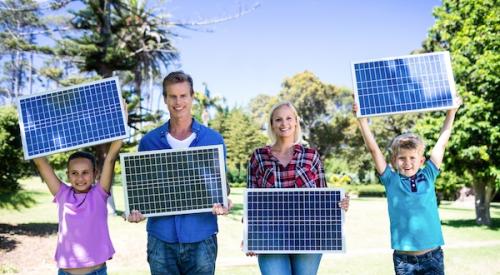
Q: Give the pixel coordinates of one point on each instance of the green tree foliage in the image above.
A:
(259, 109)
(16, 26)
(470, 31)
(241, 135)
(11, 154)
(315, 103)
(204, 102)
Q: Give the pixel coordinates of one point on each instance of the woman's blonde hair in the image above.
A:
(298, 131)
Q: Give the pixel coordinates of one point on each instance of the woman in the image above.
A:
(287, 164)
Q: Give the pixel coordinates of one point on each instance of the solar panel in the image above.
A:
(175, 181)
(293, 220)
(413, 83)
(71, 117)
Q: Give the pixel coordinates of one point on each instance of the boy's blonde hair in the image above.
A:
(407, 141)
(298, 131)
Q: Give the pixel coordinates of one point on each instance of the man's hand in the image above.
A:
(219, 209)
(135, 216)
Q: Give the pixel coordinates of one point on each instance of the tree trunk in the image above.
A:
(101, 151)
(30, 75)
(138, 91)
(483, 195)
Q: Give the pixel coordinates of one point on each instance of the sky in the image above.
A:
(251, 55)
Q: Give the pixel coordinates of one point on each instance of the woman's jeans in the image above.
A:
(289, 264)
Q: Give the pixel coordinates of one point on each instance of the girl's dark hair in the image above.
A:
(85, 155)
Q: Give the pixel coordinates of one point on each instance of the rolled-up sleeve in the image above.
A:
(252, 170)
(318, 167)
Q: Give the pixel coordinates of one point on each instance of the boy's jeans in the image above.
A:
(428, 263)
(285, 264)
(182, 258)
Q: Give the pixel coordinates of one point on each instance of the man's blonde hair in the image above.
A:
(298, 131)
(407, 141)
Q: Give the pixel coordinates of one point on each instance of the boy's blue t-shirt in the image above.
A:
(413, 214)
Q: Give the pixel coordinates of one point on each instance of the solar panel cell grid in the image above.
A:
(71, 118)
(404, 84)
(171, 182)
(293, 221)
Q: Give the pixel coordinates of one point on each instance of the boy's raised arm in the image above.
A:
(437, 152)
(371, 143)
(47, 174)
(109, 164)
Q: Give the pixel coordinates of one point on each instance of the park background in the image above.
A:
(270, 55)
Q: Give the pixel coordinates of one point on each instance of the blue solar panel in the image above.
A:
(174, 181)
(71, 118)
(294, 220)
(413, 83)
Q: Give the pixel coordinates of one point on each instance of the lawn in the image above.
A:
(28, 238)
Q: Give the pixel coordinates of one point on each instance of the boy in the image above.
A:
(416, 235)
(84, 244)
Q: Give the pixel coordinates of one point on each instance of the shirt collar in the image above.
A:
(296, 149)
(195, 127)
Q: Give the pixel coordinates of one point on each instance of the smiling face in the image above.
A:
(284, 122)
(81, 174)
(408, 161)
(179, 100)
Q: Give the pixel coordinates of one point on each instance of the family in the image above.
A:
(187, 244)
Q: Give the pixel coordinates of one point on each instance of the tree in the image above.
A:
(315, 103)
(242, 136)
(470, 31)
(16, 26)
(204, 102)
(260, 107)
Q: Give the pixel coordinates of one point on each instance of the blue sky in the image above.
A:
(253, 54)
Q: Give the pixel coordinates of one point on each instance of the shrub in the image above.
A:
(371, 190)
(235, 178)
(11, 153)
(338, 180)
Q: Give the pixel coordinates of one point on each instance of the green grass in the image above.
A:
(469, 249)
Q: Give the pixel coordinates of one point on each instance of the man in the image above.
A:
(181, 244)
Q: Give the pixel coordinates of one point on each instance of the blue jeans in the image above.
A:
(101, 271)
(289, 264)
(430, 263)
(182, 258)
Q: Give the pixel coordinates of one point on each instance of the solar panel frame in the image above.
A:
(221, 177)
(415, 79)
(279, 225)
(52, 122)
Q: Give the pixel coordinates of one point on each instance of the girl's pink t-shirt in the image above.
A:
(83, 237)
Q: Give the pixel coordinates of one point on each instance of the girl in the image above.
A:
(84, 244)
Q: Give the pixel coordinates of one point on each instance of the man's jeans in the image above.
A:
(428, 263)
(182, 258)
(286, 264)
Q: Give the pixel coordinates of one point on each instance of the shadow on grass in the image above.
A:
(119, 213)
(21, 199)
(495, 223)
(236, 212)
(495, 206)
(26, 229)
(7, 244)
